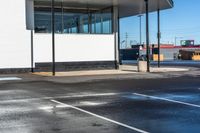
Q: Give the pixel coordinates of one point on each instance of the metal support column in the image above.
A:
(147, 35)
(53, 37)
(32, 58)
(159, 36)
(90, 22)
(118, 47)
(116, 34)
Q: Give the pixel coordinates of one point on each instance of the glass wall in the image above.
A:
(69, 20)
(42, 21)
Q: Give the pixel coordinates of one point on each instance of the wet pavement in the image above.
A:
(158, 105)
(184, 63)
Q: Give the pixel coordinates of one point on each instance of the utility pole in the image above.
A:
(126, 36)
(176, 39)
(140, 19)
(159, 36)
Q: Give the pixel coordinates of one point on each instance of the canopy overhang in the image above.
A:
(135, 7)
(126, 7)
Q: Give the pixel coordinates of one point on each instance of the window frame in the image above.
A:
(89, 13)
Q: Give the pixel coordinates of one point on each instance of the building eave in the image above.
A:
(126, 7)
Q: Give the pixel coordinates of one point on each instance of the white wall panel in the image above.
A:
(14, 38)
(74, 47)
(15, 42)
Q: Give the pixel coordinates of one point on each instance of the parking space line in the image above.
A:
(169, 100)
(63, 96)
(9, 78)
(101, 117)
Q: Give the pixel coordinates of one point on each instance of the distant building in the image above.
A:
(190, 54)
(169, 51)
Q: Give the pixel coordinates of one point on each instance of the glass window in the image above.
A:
(102, 22)
(58, 20)
(70, 20)
(97, 23)
(84, 23)
(42, 20)
(107, 21)
(93, 24)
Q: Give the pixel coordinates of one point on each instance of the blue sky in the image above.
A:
(182, 21)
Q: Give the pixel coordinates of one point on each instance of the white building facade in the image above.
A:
(86, 33)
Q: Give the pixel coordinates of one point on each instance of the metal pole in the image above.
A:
(140, 30)
(147, 35)
(159, 36)
(101, 23)
(53, 38)
(32, 58)
(90, 23)
(175, 41)
(62, 17)
(119, 52)
(126, 40)
(95, 23)
(115, 27)
(140, 17)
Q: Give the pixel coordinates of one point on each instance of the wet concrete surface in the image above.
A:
(26, 106)
(184, 63)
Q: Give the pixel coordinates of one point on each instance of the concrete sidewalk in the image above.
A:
(154, 69)
(86, 73)
(126, 72)
(123, 70)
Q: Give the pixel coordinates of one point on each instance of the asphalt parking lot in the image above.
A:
(159, 105)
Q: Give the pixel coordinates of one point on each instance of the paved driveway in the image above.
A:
(163, 105)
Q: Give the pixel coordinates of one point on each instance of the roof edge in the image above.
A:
(171, 3)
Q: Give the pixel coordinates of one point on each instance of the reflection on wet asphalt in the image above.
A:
(28, 108)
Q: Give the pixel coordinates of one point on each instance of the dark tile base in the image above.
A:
(63, 66)
(75, 66)
(14, 70)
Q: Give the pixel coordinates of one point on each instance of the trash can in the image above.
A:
(142, 63)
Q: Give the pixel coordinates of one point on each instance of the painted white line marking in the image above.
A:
(9, 78)
(59, 97)
(91, 95)
(101, 117)
(169, 100)
(88, 103)
(83, 95)
(51, 107)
